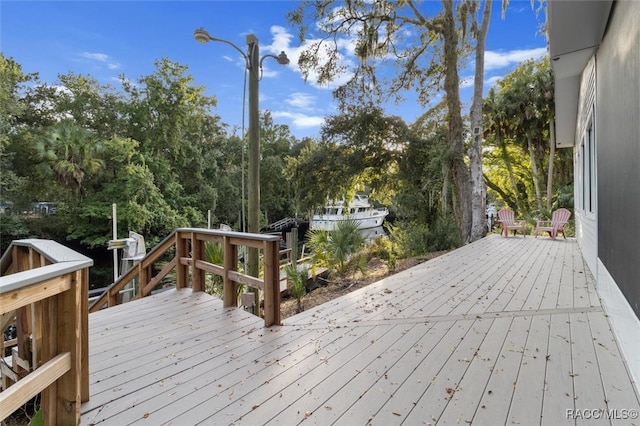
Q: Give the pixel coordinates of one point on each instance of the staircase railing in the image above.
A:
(183, 252)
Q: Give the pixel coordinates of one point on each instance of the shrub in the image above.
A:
(297, 281)
(414, 239)
(334, 248)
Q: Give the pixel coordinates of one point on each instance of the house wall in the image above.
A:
(617, 126)
(586, 194)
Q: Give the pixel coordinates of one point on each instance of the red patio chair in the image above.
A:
(559, 218)
(507, 218)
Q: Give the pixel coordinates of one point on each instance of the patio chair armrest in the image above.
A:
(543, 223)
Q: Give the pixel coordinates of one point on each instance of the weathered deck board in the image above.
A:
(558, 391)
(502, 331)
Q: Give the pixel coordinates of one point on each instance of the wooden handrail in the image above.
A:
(190, 265)
(47, 291)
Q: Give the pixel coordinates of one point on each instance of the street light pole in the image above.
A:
(253, 64)
(254, 149)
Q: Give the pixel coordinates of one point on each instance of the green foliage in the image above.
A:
(383, 248)
(318, 173)
(563, 198)
(334, 248)
(37, 419)
(12, 227)
(415, 239)
(359, 149)
(297, 280)
(276, 195)
(516, 160)
(213, 253)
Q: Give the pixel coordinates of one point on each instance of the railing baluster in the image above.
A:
(182, 271)
(271, 283)
(230, 287)
(197, 248)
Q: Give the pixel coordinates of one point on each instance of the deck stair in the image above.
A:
(287, 222)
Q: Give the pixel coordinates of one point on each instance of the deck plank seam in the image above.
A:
(441, 318)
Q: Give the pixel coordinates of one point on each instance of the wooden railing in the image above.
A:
(189, 263)
(44, 286)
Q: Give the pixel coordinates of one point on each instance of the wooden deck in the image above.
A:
(502, 331)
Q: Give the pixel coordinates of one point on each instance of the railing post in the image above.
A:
(271, 283)
(230, 288)
(197, 253)
(84, 338)
(69, 340)
(182, 271)
(143, 277)
(49, 350)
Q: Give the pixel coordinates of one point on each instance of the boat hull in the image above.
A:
(329, 222)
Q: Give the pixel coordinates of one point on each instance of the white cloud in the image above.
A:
(282, 43)
(491, 81)
(503, 59)
(301, 100)
(299, 120)
(101, 57)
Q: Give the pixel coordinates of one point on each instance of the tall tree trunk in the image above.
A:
(445, 189)
(552, 155)
(535, 172)
(478, 188)
(452, 90)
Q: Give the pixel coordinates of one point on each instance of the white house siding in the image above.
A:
(585, 168)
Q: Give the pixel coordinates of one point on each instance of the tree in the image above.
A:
(171, 119)
(319, 172)
(478, 189)
(524, 106)
(423, 176)
(275, 146)
(357, 151)
(12, 80)
(75, 153)
(425, 47)
(519, 116)
(497, 127)
(373, 142)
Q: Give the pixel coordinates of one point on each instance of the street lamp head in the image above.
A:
(202, 36)
(282, 59)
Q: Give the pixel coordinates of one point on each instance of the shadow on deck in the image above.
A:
(501, 331)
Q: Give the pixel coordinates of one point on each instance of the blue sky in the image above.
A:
(108, 38)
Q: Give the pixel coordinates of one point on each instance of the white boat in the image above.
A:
(327, 217)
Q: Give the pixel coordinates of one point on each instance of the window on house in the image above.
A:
(592, 170)
(583, 184)
(587, 161)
